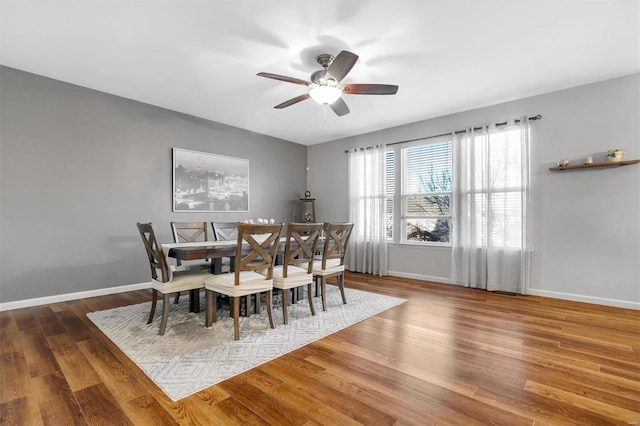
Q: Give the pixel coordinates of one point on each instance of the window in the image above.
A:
(388, 190)
(497, 188)
(420, 188)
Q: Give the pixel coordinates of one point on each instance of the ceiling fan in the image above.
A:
(325, 87)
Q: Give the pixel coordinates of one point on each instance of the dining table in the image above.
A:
(214, 250)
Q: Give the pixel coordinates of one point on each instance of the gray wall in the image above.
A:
(79, 168)
(584, 225)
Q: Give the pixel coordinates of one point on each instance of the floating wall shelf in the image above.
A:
(594, 165)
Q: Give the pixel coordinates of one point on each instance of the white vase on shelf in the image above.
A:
(615, 155)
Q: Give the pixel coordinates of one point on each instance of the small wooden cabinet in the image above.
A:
(307, 210)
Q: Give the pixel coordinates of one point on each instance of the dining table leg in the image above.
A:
(216, 266)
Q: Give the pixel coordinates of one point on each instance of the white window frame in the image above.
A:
(399, 196)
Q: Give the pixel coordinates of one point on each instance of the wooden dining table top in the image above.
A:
(201, 250)
(211, 249)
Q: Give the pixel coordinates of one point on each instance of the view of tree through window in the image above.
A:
(426, 194)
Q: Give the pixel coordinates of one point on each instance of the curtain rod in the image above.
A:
(457, 132)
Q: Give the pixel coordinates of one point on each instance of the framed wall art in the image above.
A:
(204, 182)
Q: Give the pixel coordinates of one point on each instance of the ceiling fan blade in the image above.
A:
(284, 78)
(342, 64)
(292, 101)
(340, 107)
(370, 89)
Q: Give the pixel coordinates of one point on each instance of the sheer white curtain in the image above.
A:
(491, 188)
(367, 251)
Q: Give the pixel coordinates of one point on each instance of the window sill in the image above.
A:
(421, 246)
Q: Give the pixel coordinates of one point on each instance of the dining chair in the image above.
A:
(225, 231)
(228, 231)
(189, 232)
(256, 249)
(297, 268)
(336, 239)
(163, 279)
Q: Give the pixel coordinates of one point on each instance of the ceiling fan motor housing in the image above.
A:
(320, 77)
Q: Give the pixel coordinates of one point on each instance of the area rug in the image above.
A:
(190, 357)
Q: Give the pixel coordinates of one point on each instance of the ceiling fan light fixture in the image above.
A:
(325, 94)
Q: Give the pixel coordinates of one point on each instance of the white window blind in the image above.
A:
(426, 192)
(389, 191)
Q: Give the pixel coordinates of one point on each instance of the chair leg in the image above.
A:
(323, 283)
(246, 304)
(194, 300)
(340, 279)
(257, 296)
(154, 302)
(269, 307)
(211, 299)
(285, 305)
(165, 313)
(235, 307)
(177, 298)
(313, 311)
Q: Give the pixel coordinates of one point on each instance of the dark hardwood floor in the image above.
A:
(447, 356)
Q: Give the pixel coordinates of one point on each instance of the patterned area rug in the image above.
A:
(190, 357)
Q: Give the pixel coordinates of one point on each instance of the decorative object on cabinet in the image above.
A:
(563, 163)
(307, 210)
(595, 165)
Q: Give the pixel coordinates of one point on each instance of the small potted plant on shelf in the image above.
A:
(615, 155)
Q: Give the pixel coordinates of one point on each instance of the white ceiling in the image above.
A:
(201, 57)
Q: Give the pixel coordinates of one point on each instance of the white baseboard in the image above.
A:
(587, 299)
(27, 303)
(543, 293)
(432, 278)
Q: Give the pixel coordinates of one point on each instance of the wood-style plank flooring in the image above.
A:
(447, 356)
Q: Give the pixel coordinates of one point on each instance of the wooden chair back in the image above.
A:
(188, 232)
(302, 241)
(157, 259)
(225, 231)
(257, 248)
(335, 243)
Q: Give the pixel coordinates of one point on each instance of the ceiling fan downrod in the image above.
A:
(325, 60)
